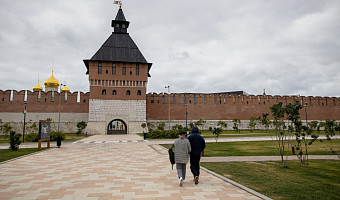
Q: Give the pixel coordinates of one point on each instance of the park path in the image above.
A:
(108, 167)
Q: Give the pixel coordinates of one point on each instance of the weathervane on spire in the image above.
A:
(119, 3)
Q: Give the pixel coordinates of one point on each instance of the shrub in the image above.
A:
(54, 136)
(81, 126)
(32, 137)
(157, 134)
(14, 140)
(161, 126)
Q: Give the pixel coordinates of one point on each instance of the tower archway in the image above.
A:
(116, 126)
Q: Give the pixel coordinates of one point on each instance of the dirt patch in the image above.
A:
(227, 175)
(257, 163)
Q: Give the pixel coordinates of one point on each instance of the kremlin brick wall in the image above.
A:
(209, 107)
(229, 107)
(45, 105)
(72, 111)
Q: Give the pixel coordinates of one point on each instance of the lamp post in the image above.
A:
(169, 102)
(306, 115)
(59, 105)
(23, 134)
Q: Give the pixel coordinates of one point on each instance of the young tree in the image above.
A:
(252, 123)
(200, 123)
(81, 126)
(278, 113)
(14, 140)
(6, 128)
(222, 124)
(265, 121)
(330, 128)
(217, 131)
(161, 126)
(237, 122)
(150, 126)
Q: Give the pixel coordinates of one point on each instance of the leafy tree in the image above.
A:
(150, 126)
(7, 128)
(81, 126)
(252, 123)
(222, 124)
(49, 119)
(217, 131)
(237, 122)
(313, 125)
(161, 126)
(177, 127)
(191, 125)
(265, 121)
(200, 123)
(14, 140)
(330, 128)
(278, 113)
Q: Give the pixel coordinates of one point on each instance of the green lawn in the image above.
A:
(7, 154)
(318, 180)
(69, 137)
(260, 148)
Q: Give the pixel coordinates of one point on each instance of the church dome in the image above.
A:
(51, 82)
(37, 87)
(65, 89)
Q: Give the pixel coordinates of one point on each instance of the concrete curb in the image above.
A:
(237, 184)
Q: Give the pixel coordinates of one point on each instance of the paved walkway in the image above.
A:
(122, 167)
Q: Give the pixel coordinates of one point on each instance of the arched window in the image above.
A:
(139, 93)
(114, 92)
(103, 92)
(128, 92)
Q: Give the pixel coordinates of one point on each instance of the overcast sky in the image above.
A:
(288, 47)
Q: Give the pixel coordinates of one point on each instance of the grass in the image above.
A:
(318, 180)
(260, 148)
(7, 154)
(69, 137)
(246, 133)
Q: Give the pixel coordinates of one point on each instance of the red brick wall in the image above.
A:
(231, 107)
(45, 105)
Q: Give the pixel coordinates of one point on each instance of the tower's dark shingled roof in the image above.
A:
(119, 47)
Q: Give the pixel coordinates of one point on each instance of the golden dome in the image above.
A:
(51, 82)
(37, 87)
(65, 89)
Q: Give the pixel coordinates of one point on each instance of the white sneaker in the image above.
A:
(180, 181)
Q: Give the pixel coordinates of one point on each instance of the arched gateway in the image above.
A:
(117, 126)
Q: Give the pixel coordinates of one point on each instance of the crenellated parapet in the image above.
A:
(44, 102)
(222, 106)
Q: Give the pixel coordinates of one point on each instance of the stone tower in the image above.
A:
(118, 77)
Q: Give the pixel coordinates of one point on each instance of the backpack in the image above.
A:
(172, 157)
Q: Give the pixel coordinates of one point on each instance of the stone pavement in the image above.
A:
(122, 167)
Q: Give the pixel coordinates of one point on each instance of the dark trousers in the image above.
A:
(195, 164)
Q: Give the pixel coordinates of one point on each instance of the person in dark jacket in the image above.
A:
(197, 143)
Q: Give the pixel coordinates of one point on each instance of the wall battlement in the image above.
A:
(227, 107)
(43, 102)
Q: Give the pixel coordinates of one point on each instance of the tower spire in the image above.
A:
(119, 24)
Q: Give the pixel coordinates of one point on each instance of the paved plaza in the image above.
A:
(107, 167)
